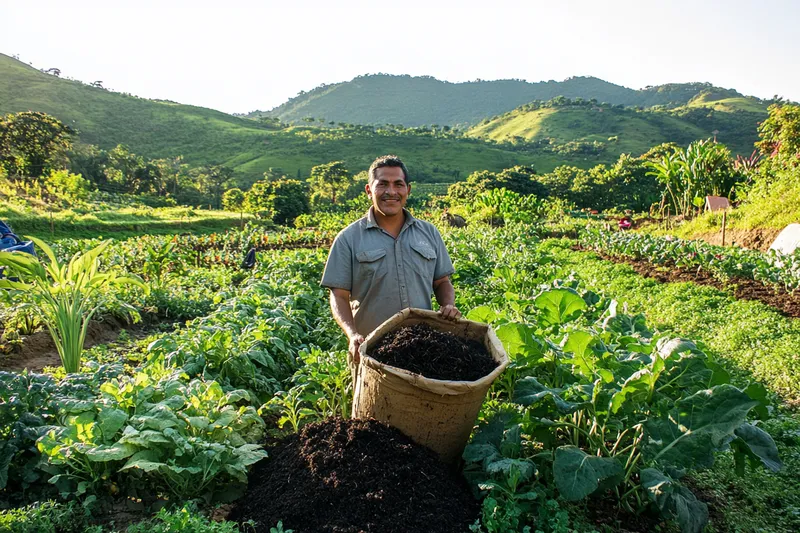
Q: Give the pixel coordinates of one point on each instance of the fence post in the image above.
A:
(724, 224)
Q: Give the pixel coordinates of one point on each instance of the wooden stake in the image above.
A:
(724, 224)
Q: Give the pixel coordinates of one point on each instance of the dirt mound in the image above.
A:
(754, 239)
(434, 354)
(38, 350)
(354, 476)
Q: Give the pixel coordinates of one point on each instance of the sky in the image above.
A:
(238, 56)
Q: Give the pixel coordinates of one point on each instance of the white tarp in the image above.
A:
(788, 240)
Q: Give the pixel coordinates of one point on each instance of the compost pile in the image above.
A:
(353, 476)
(434, 354)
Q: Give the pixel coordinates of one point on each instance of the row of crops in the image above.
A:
(595, 404)
(772, 269)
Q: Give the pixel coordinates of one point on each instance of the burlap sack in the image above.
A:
(436, 413)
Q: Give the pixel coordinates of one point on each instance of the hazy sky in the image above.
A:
(237, 56)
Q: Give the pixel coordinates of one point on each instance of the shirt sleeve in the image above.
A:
(444, 266)
(338, 272)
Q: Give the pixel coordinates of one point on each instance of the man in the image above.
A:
(386, 261)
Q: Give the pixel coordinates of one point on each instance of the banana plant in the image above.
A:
(67, 296)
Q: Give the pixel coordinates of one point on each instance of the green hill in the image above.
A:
(167, 129)
(621, 130)
(415, 101)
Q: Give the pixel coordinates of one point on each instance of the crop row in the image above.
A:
(725, 263)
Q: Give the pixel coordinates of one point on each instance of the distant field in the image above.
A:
(118, 223)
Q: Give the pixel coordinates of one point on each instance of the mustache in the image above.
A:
(390, 198)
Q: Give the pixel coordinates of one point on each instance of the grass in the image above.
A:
(117, 223)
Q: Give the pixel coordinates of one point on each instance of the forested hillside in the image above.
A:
(414, 101)
(612, 130)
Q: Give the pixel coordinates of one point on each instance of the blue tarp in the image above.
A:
(9, 242)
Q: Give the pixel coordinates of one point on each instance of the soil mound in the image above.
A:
(354, 476)
(434, 354)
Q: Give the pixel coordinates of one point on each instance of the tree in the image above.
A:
(258, 199)
(212, 180)
(33, 143)
(121, 169)
(282, 200)
(233, 199)
(519, 179)
(780, 135)
(289, 200)
(328, 181)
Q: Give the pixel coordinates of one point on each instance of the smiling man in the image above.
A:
(386, 261)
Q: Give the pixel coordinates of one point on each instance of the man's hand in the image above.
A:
(450, 312)
(355, 343)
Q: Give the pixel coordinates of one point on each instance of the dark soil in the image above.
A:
(38, 349)
(742, 288)
(354, 476)
(434, 354)
(604, 511)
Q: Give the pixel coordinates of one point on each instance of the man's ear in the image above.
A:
(367, 189)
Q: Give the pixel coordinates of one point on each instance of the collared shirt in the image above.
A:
(386, 275)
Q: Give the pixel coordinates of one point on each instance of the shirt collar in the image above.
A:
(373, 223)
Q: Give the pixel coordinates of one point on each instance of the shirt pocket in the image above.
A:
(370, 265)
(423, 260)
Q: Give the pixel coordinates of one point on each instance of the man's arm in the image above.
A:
(343, 314)
(446, 296)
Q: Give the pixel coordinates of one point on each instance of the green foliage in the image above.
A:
(752, 336)
(66, 296)
(328, 181)
(704, 168)
(33, 143)
(46, 517)
(70, 186)
(289, 200)
(780, 135)
(186, 520)
(233, 199)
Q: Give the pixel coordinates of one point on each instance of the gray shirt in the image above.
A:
(386, 275)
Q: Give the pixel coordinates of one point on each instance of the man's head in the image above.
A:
(388, 185)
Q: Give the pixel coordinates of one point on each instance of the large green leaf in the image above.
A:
(559, 306)
(688, 435)
(640, 386)
(675, 500)
(483, 314)
(757, 444)
(110, 421)
(578, 474)
(580, 344)
(147, 460)
(507, 466)
(528, 391)
(114, 452)
(519, 341)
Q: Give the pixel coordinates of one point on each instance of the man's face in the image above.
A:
(388, 191)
